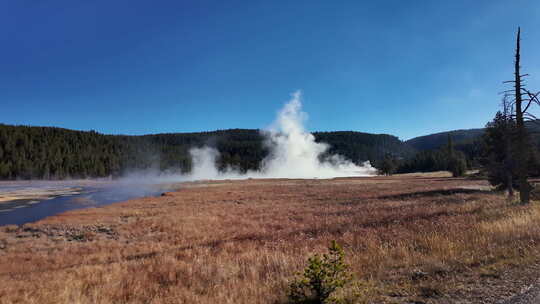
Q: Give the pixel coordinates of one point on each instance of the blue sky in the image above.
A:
(405, 68)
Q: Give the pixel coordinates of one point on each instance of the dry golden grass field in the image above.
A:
(408, 239)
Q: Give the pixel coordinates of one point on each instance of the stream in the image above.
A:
(26, 202)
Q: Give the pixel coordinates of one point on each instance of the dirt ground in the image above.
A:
(408, 239)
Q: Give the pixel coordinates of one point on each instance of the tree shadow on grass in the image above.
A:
(408, 195)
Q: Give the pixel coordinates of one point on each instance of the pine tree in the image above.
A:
(498, 153)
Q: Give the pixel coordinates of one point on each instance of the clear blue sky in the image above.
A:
(406, 68)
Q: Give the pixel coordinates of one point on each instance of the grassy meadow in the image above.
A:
(429, 239)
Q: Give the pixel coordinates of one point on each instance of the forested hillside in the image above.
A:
(360, 147)
(55, 153)
(437, 140)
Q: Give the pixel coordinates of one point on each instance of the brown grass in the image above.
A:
(434, 240)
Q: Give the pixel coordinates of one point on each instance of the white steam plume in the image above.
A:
(293, 153)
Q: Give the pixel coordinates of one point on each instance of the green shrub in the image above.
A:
(321, 278)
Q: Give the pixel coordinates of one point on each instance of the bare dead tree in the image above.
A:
(522, 100)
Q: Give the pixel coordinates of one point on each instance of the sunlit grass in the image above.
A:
(242, 242)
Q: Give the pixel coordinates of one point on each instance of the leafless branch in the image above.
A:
(529, 116)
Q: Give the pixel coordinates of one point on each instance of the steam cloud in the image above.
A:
(293, 153)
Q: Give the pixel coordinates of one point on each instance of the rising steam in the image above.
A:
(293, 153)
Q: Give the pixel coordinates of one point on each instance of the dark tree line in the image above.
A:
(446, 158)
(475, 149)
(55, 153)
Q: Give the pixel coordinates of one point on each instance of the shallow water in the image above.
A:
(63, 197)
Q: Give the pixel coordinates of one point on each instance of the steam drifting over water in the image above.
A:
(293, 153)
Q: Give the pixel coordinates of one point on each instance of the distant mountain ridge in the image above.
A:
(437, 140)
(463, 136)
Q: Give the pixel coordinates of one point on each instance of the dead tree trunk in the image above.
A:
(521, 132)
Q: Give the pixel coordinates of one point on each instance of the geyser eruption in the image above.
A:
(293, 153)
(204, 163)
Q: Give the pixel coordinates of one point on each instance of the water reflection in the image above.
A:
(34, 201)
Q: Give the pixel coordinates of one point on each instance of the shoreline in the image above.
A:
(37, 194)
